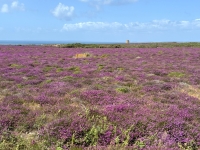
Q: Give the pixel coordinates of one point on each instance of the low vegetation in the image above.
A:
(54, 98)
(131, 45)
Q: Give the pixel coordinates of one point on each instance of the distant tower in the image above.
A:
(127, 41)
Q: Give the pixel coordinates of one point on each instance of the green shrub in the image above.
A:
(176, 74)
(122, 89)
(47, 68)
(48, 81)
(59, 69)
(75, 68)
(100, 67)
(16, 66)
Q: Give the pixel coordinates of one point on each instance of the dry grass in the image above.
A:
(32, 106)
(81, 55)
(191, 91)
(1, 98)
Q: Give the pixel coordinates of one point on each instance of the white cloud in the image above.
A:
(196, 23)
(155, 25)
(15, 5)
(18, 6)
(92, 26)
(99, 3)
(4, 8)
(63, 12)
(108, 2)
(184, 23)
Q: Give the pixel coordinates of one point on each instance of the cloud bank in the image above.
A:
(15, 5)
(99, 3)
(109, 2)
(63, 12)
(4, 8)
(133, 26)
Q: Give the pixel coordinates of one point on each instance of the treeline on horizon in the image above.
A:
(131, 45)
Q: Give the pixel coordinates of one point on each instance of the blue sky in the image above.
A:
(100, 20)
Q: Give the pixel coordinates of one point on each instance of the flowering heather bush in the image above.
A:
(98, 97)
(67, 130)
(15, 117)
(124, 98)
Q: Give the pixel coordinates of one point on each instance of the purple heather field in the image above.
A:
(108, 98)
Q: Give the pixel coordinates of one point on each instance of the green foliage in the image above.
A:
(126, 134)
(176, 74)
(75, 68)
(115, 46)
(15, 66)
(40, 121)
(7, 140)
(48, 81)
(77, 72)
(75, 45)
(47, 68)
(100, 67)
(59, 69)
(140, 144)
(132, 45)
(120, 69)
(75, 92)
(92, 136)
(100, 125)
(104, 55)
(19, 85)
(21, 143)
(188, 146)
(68, 78)
(117, 140)
(76, 148)
(87, 54)
(122, 89)
(141, 46)
(59, 148)
(98, 86)
(79, 45)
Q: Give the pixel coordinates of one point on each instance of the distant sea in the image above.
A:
(13, 42)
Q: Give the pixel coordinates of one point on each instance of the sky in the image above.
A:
(100, 20)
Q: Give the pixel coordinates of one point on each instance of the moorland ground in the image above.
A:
(114, 97)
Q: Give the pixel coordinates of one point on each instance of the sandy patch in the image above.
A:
(82, 55)
(191, 91)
